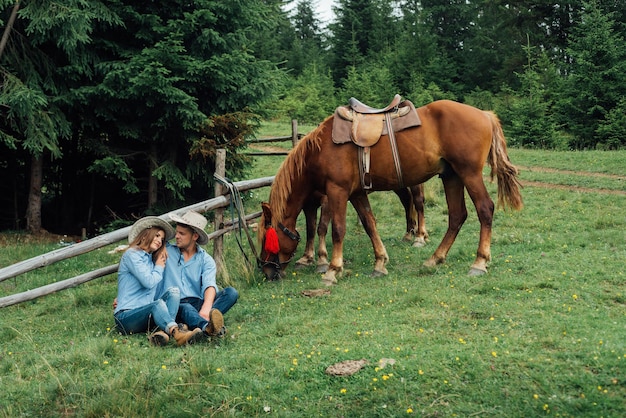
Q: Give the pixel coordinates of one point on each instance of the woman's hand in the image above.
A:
(161, 259)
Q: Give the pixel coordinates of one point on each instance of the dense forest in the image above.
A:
(114, 108)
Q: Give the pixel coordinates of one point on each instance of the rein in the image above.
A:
(236, 204)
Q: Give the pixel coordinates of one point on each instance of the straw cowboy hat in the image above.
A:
(195, 221)
(151, 222)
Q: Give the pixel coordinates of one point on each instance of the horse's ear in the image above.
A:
(267, 212)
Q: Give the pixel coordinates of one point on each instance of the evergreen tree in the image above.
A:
(450, 22)
(273, 40)
(597, 78)
(308, 41)
(45, 37)
(309, 98)
(134, 99)
(415, 60)
(372, 84)
(496, 50)
(530, 115)
(171, 68)
(364, 29)
(612, 130)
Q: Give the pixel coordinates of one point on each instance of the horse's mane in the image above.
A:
(291, 169)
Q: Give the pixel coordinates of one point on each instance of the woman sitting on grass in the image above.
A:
(140, 271)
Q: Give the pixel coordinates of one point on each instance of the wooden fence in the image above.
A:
(218, 203)
(294, 138)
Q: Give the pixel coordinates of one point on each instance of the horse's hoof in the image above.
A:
(430, 263)
(329, 278)
(476, 272)
(321, 268)
(329, 281)
(303, 262)
(408, 237)
(378, 273)
(419, 242)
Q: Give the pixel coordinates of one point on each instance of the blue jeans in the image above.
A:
(162, 312)
(189, 307)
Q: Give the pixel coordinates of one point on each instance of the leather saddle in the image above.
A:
(364, 125)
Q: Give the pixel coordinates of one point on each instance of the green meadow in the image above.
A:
(542, 334)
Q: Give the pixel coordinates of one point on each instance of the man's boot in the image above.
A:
(186, 337)
(216, 323)
(159, 338)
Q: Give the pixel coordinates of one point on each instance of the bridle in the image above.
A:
(273, 259)
(236, 205)
(295, 236)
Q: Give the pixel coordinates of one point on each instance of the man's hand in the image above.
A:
(209, 298)
(114, 303)
(204, 312)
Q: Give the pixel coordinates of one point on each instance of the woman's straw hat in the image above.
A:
(151, 222)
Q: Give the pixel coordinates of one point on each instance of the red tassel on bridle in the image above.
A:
(271, 241)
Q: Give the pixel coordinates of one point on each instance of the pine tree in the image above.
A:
(122, 105)
(363, 29)
(530, 117)
(45, 37)
(597, 78)
(308, 42)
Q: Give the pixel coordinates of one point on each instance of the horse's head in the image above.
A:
(278, 245)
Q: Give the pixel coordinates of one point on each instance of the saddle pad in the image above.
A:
(342, 128)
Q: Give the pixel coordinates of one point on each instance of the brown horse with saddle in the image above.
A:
(359, 149)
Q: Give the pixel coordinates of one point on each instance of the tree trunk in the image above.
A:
(9, 27)
(33, 211)
(152, 181)
(172, 156)
(16, 207)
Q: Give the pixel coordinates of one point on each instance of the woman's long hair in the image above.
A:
(145, 238)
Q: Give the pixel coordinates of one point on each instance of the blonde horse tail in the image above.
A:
(509, 186)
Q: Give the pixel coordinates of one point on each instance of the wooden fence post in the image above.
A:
(294, 132)
(218, 242)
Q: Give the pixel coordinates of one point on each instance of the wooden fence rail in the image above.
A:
(73, 250)
(294, 138)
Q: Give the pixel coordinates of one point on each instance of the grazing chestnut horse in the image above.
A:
(454, 141)
(412, 199)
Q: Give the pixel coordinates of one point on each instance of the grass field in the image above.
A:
(542, 334)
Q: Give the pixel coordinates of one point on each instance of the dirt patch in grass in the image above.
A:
(267, 148)
(571, 188)
(572, 172)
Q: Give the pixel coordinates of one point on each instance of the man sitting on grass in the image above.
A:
(193, 270)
